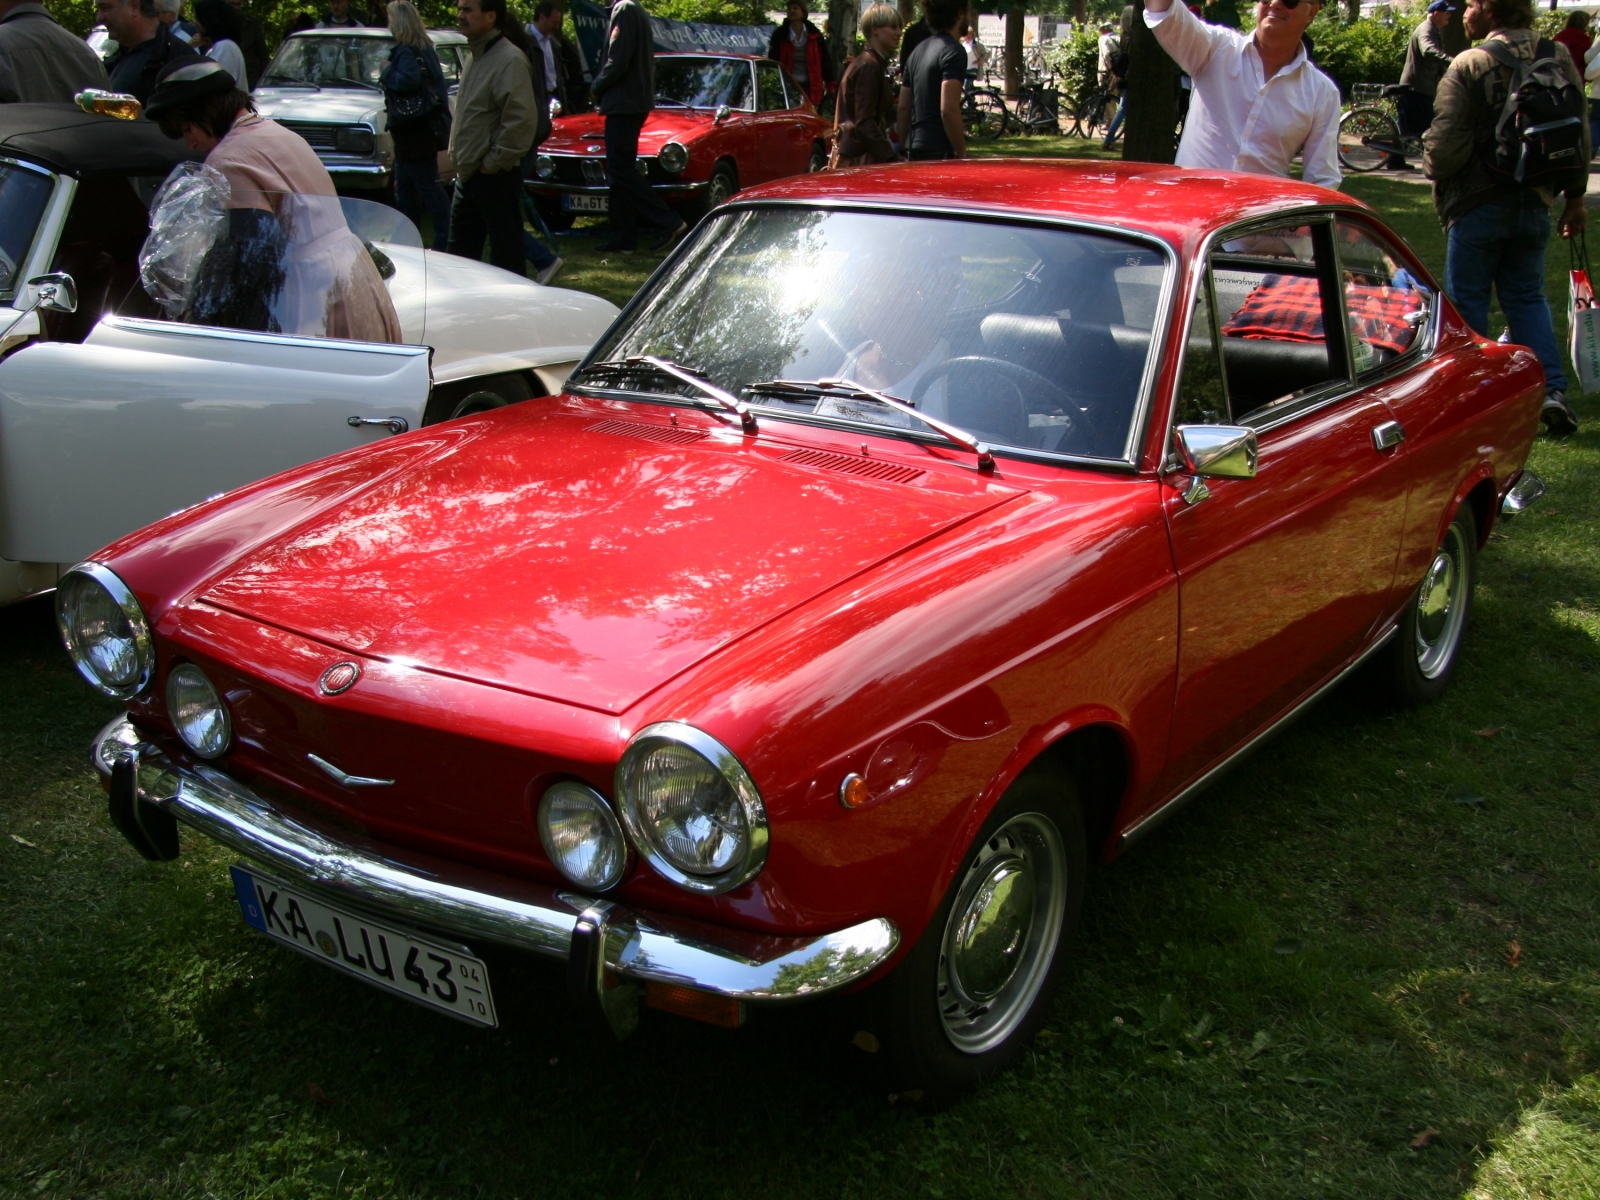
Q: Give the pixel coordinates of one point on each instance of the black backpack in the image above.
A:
(1538, 141)
(1119, 63)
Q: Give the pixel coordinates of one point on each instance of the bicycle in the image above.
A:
(1040, 107)
(984, 113)
(1369, 130)
(1091, 115)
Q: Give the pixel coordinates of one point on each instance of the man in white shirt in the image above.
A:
(1109, 44)
(1257, 100)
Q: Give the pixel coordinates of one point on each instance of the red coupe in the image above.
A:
(722, 122)
(917, 533)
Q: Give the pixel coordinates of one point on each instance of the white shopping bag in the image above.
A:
(1583, 325)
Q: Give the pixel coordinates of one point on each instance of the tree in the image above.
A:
(842, 18)
(1150, 132)
(1014, 29)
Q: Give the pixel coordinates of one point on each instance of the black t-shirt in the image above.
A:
(939, 58)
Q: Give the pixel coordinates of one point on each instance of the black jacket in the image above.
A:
(134, 69)
(626, 81)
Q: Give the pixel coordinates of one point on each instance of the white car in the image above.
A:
(113, 416)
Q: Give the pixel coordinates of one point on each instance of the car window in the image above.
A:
(1202, 397)
(1025, 336)
(1386, 306)
(704, 83)
(1268, 287)
(794, 95)
(23, 196)
(770, 87)
(450, 64)
(329, 61)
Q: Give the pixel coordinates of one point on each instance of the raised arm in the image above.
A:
(1184, 36)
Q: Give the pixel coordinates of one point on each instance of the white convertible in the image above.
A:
(113, 415)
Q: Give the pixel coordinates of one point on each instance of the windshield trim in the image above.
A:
(24, 270)
(1138, 427)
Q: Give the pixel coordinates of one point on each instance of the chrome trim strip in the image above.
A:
(349, 781)
(545, 187)
(1158, 815)
(470, 903)
(179, 329)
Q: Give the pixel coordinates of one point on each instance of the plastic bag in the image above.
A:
(1583, 320)
(188, 216)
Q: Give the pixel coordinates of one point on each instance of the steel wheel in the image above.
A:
(1363, 132)
(1002, 933)
(1441, 605)
(722, 187)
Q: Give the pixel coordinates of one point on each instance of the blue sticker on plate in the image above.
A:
(248, 904)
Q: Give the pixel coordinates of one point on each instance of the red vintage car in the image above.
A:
(722, 122)
(919, 532)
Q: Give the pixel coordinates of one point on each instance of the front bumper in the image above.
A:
(598, 938)
(359, 175)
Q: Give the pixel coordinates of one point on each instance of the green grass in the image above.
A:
(1382, 926)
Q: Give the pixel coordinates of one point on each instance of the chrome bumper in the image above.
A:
(1526, 489)
(596, 937)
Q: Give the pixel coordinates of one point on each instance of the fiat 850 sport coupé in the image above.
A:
(915, 534)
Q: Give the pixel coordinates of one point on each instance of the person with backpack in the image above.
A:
(1509, 134)
(419, 120)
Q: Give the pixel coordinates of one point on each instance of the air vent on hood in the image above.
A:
(867, 468)
(653, 433)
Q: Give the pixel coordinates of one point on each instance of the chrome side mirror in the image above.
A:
(56, 292)
(1218, 451)
(722, 114)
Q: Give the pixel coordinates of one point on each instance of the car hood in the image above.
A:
(574, 135)
(561, 549)
(336, 106)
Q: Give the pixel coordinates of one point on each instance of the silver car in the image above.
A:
(323, 84)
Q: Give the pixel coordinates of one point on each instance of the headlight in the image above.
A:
(544, 167)
(692, 808)
(673, 158)
(581, 835)
(105, 631)
(354, 139)
(197, 711)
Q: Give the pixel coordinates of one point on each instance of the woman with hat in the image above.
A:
(289, 263)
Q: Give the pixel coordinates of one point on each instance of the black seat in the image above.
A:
(1261, 371)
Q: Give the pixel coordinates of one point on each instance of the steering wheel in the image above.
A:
(1025, 380)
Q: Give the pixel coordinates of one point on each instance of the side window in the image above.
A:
(771, 88)
(1202, 398)
(1386, 306)
(1269, 287)
(794, 96)
(450, 64)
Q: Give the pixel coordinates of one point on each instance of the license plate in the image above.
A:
(434, 973)
(575, 203)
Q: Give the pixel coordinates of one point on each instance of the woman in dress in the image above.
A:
(219, 24)
(414, 68)
(866, 97)
(288, 263)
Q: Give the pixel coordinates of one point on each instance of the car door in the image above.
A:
(1282, 577)
(778, 142)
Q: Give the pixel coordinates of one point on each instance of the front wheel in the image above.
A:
(964, 1002)
(1366, 135)
(1419, 663)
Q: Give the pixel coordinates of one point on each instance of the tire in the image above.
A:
(819, 158)
(1359, 129)
(724, 183)
(471, 396)
(1417, 666)
(939, 1041)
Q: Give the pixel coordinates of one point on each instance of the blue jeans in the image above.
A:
(416, 185)
(1502, 246)
(1116, 121)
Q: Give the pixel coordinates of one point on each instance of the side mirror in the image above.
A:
(722, 114)
(56, 292)
(1218, 451)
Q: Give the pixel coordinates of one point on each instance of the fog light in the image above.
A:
(697, 1006)
(197, 712)
(673, 157)
(354, 139)
(544, 167)
(582, 837)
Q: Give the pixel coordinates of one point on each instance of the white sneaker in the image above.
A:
(550, 272)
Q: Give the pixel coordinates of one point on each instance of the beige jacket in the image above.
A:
(1466, 109)
(497, 115)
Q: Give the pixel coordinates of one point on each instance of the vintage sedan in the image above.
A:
(96, 392)
(323, 84)
(722, 122)
(917, 533)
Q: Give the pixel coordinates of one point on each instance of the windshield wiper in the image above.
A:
(732, 403)
(287, 81)
(850, 387)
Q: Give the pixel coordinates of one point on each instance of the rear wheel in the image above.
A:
(1419, 663)
(471, 396)
(1363, 135)
(819, 157)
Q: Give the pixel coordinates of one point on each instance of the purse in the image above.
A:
(1583, 317)
(411, 110)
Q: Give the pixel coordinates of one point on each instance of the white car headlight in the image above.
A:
(692, 809)
(673, 157)
(105, 631)
(581, 835)
(197, 712)
(544, 167)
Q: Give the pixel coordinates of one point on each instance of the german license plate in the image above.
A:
(577, 203)
(434, 973)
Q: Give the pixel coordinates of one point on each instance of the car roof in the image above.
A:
(376, 31)
(1178, 204)
(64, 138)
(714, 54)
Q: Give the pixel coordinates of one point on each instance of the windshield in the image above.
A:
(325, 61)
(23, 194)
(703, 83)
(1023, 336)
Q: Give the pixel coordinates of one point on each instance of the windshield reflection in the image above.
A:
(1020, 335)
(329, 62)
(703, 83)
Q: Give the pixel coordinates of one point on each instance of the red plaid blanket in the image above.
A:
(1288, 308)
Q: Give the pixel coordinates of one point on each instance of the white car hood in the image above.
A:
(335, 106)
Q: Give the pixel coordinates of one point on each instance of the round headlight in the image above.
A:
(105, 631)
(544, 167)
(197, 711)
(692, 808)
(673, 157)
(581, 835)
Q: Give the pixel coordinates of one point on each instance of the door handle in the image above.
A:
(392, 424)
(1387, 435)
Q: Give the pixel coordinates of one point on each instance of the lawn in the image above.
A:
(1367, 964)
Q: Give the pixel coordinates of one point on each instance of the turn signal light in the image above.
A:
(697, 1006)
(853, 791)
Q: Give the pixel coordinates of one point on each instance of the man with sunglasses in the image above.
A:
(1257, 100)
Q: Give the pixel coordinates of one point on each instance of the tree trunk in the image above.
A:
(1080, 11)
(842, 18)
(1150, 132)
(1352, 10)
(1454, 35)
(908, 11)
(1014, 49)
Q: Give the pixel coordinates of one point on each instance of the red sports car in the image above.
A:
(722, 122)
(919, 532)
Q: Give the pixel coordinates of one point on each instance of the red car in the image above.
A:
(722, 122)
(917, 533)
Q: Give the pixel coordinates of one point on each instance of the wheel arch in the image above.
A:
(1481, 499)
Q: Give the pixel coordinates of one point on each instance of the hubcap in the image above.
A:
(1439, 606)
(1002, 933)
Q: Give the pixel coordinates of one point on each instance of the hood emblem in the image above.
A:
(339, 678)
(349, 781)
